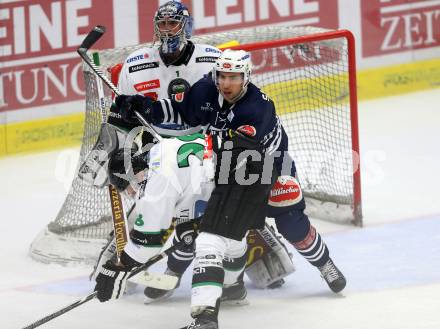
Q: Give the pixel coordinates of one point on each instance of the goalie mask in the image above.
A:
(233, 61)
(172, 26)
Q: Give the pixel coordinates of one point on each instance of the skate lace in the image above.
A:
(329, 272)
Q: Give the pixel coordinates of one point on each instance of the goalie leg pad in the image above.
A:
(268, 259)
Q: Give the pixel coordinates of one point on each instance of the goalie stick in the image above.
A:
(92, 295)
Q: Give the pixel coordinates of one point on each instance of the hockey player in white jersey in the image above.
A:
(167, 70)
(172, 65)
(177, 186)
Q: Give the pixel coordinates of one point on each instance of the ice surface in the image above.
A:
(392, 264)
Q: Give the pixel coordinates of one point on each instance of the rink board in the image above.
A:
(63, 131)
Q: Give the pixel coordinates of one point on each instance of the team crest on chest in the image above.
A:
(207, 107)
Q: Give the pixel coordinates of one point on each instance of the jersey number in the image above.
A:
(188, 149)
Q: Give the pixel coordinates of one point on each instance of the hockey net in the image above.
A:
(310, 75)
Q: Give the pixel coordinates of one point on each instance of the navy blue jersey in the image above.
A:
(204, 106)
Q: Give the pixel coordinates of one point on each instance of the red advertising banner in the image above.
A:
(221, 15)
(390, 26)
(38, 42)
(39, 38)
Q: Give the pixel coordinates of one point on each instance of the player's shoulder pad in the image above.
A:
(142, 54)
(205, 82)
(205, 86)
(206, 53)
(208, 49)
(258, 98)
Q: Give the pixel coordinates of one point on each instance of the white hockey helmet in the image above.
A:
(234, 61)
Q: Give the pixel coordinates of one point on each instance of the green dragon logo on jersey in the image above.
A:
(190, 148)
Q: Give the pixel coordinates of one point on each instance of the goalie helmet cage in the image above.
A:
(310, 75)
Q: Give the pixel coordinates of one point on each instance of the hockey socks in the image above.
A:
(316, 252)
(313, 248)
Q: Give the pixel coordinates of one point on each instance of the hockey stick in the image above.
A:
(92, 295)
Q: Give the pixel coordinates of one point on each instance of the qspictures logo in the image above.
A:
(390, 26)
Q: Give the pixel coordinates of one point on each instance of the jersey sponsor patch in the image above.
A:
(147, 85)
(247, 130)
(137, 57)
(153, 95)
(144, 66)
(206, 59)
(213, 50)
(285, 192)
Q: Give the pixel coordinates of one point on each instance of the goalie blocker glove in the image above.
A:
(112, 278)
(122, 113)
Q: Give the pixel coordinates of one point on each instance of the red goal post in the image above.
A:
(308, 72)
(353, 102)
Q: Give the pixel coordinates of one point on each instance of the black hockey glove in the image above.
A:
(129, 104)
(111, 281)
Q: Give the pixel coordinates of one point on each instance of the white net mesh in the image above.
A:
(309, 83)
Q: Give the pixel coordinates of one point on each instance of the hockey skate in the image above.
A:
(234, 294)
(333, 276)
(155, 294)
(205, 318)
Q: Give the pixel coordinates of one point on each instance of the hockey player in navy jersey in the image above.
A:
(225, 100)
(171, 66)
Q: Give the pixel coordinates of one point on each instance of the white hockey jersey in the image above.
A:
(145, 73)
(177, 187)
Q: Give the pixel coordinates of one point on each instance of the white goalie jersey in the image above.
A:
(177, 187)
(144, 72)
